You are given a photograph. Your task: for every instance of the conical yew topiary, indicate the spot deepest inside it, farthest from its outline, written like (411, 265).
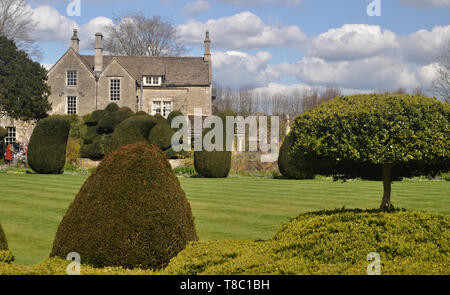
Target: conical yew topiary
(131, 212)
(5, 255)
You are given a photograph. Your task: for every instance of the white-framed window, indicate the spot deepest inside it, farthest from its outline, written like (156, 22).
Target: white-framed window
(11, 137)
(71, 105)
(156, 109)
(153, 80)
(114, 92)
(167, 108)
(163, 107)
(72, 78)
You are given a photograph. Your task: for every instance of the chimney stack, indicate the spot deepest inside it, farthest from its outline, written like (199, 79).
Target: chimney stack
(98, 52)
(75, 41)
(207, 56)
(207, 47)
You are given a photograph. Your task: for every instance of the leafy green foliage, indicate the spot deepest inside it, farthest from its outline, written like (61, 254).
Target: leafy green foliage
(23, 88)
(95, 117)
(173, 115)
(161, 135)
(111, 119)
(132, 130)
(5, 255)
(131, 212)
(214, 164)
(285, 163)
(376, 136)
(91, 135)
(47, 147)
(329, 242)
(3, 133)
(3, 241)
(112, 107)
(94, 150)
(159, 118)
(354, 136)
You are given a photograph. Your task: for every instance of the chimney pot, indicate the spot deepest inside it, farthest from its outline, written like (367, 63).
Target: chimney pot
(75, 41)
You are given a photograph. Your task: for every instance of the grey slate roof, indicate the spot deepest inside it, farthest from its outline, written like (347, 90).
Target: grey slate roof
(178, 71)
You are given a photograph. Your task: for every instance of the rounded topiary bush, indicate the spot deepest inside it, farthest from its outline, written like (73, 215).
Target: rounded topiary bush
(5, 255)
(132, 130)
(161, 136)
(214, 164)
(159, 118)
(95, 117)
(47, 147)
(140, 113)
(91, 135)
(110, 121)
(285, 163)
(94, 150)
(173, 115)
(131, 212)
(112, 107)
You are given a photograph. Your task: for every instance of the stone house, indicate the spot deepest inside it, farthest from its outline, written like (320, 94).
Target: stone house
(81, 84)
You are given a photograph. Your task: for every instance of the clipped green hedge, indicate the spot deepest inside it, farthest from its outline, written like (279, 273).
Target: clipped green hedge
(110, 121)
(319, 243)
(286, 165)
(47, 147)
(161, 135)
(330, 242)
(159, 118)
(131, 212)
(95, 117)
(132, 130)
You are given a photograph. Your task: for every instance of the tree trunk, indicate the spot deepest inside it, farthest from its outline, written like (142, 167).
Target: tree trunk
(386, 201)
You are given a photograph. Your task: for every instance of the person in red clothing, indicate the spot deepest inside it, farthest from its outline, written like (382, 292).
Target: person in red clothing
(8, 154)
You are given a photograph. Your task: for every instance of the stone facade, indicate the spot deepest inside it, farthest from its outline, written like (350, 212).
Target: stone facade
(185, 82)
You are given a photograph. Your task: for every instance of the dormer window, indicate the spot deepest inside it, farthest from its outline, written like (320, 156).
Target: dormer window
(153, 80)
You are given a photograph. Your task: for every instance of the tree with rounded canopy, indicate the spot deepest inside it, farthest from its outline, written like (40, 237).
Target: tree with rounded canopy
(375, 136)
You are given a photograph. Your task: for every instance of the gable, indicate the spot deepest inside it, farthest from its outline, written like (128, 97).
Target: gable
(70, 61)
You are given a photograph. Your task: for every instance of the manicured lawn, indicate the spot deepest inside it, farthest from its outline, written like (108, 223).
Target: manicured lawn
(31, 206)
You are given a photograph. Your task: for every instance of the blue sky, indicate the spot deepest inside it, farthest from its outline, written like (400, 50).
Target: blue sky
(278, 45)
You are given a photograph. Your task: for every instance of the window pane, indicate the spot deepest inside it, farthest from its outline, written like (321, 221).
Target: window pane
(11, 137)
(72, 78)
(115, 90)
(156, 107)
(167, 108)
(71, 105)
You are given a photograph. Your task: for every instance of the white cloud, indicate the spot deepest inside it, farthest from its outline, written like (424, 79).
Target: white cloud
(426, 3)
(262, 2)
(88, 30)
(379, 72)
(51, 25)
(352, 41)
(194, 8)
(425, 46)
(244, 30)
(240, 69)
(274, 88)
